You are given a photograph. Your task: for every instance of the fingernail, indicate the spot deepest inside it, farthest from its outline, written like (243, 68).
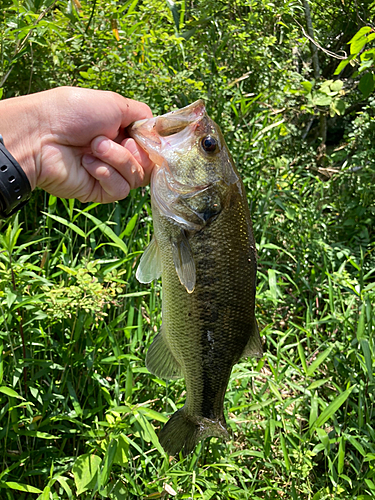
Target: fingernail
(131, 146)
(102, 146)
(88, 159)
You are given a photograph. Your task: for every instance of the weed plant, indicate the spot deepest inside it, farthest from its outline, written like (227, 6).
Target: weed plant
(79, 412)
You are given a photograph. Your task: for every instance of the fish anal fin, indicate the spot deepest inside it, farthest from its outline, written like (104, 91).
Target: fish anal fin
(184, 261)
(149, 268)
(254, 346)
(160, 360)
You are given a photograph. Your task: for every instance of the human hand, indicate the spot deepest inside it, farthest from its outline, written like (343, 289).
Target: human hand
(70, 141)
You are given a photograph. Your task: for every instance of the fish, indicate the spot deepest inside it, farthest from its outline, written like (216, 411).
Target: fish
(204, 250)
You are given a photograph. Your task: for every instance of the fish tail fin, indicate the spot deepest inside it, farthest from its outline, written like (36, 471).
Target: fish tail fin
(184, 431)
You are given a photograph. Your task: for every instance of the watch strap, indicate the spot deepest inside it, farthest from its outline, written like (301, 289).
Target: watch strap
(15, 189)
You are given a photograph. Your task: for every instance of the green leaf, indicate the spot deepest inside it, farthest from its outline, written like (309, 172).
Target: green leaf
(275, 390)
(153, 414)
(361, 323)
(285, 452)
(74, 398)
(39, 434)
(63, 481)
(22, 487)
(148, 432)
(341, 455)
(132, 7)
(122, 451)
(129, 226)
(321, 99)
(368, 358)
(358, 45)
(338, 107)
(302, 357)
(337, 85)
(366, 84)
(331, 409)
(341, 66)
(313, 410)
(272, 283)
(362, 32)
(67, 269)
(45, 494)
(272, 246)
(107, 231)
(307, 86)
(318, 361)
(10, 392)
(352, 440)
(359, 40)
(176, 16)
(324, 438)
(85, 470)
(66, 223)
(107, 463)
(317, 383)
(10, 298)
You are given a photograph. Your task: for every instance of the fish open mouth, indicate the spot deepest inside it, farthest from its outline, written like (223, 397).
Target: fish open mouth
(176, 121)
(154, 134)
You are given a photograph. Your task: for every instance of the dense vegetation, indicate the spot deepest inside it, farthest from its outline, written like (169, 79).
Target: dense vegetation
(79, 413)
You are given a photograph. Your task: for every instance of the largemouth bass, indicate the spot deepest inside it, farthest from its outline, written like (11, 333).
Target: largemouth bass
(204, 249)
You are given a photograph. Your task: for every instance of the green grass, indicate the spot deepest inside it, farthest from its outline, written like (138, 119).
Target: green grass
(80, 413)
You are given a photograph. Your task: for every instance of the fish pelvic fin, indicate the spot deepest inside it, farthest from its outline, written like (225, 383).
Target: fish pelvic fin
(160, 360)
(253, 348)
(184, 431)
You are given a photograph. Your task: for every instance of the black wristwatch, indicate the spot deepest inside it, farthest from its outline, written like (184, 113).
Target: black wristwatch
(15, 189)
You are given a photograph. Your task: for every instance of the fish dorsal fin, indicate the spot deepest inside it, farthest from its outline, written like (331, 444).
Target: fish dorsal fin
(184, 261)
(149, 268)
(254, 346)
(160, 360)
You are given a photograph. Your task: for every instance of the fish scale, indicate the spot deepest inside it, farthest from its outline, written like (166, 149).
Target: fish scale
(204, 248)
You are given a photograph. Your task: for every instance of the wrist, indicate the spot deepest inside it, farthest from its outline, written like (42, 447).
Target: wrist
(19, 127)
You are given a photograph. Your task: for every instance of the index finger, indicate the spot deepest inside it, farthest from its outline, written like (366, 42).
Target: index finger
(132, 110)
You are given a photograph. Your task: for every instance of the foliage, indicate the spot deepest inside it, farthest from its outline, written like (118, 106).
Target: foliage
(79, 413)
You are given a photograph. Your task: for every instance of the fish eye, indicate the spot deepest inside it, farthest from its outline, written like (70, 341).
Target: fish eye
(209, 144)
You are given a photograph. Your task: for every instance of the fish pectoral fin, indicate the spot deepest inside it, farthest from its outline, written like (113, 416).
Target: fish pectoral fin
(184, 262)
(149, 268)
(160, 360)
(254, 346)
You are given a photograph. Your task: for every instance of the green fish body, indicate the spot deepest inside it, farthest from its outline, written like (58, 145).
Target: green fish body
(204, 249)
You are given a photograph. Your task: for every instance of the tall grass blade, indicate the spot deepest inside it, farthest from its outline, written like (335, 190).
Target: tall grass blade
(66, 223)
(369, 360)
(318, 361)
(331, 409)
(102, 226)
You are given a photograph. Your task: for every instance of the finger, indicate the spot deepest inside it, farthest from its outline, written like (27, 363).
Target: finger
(112, 186)
(119, 158)
(132, 110)
(141, 156)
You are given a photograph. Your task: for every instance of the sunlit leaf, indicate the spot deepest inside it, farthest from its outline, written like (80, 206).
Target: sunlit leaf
(331, 409)
(85, 470)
